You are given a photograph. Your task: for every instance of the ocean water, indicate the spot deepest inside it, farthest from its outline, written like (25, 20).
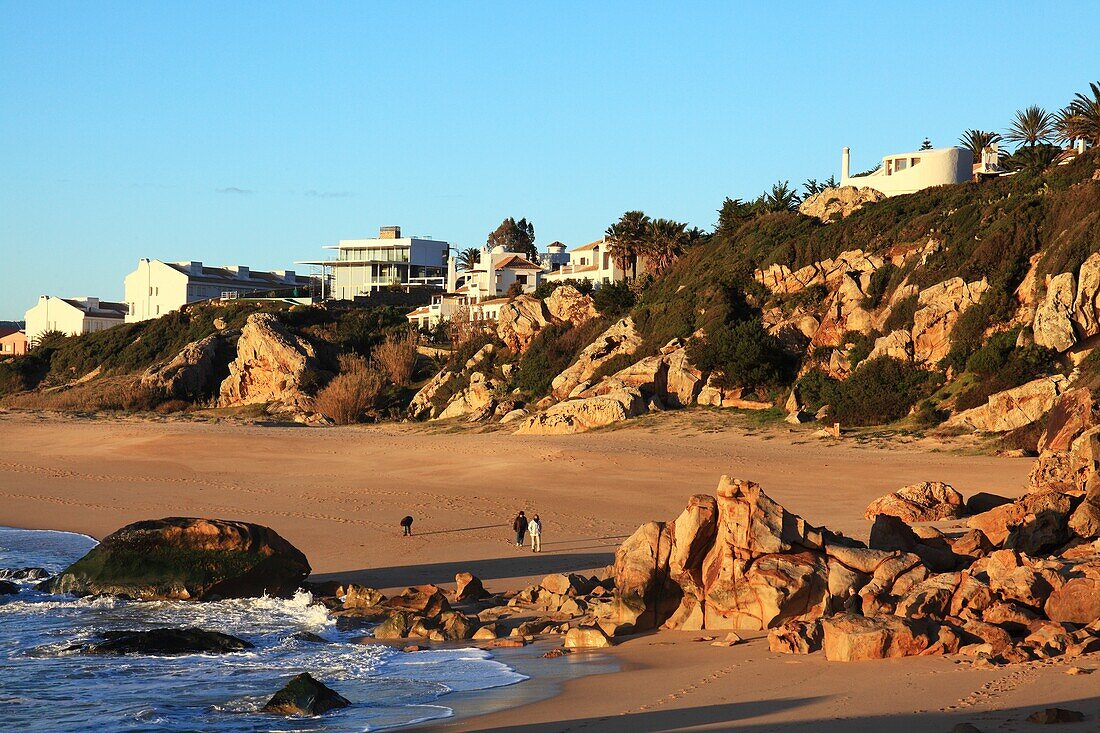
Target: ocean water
(45, 688)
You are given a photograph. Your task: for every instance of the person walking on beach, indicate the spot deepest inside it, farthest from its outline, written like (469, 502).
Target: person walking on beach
(519, 526)
(407, 527)
(534, 528)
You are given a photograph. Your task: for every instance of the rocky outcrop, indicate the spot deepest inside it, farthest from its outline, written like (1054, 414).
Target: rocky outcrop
(896, 345)
(190, 374)
(620, 339)
(586, 413)
(272, 366)
(834, 204)
(1053, 325)
(304, 695)
(164, 643)
(781, 279)
(476, 397)
(1074, 412)
(475, 402)
(742, 561)
(844, 312)
(939, 308)
(566, 304)
(712, 394)
(1012, 408)
(927, 501)
(520, 320)
(187, 559)
(1086, 306)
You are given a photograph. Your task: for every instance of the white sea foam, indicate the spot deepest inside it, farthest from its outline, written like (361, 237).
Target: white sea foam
(222, 693)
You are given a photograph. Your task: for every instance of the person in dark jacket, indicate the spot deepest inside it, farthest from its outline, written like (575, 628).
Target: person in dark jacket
(519, 526)
(407, 526)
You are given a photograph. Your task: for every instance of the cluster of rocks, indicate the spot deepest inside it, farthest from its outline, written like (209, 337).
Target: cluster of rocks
(1020, 585)
(840, 202)
(566, 604)
(1069, 313)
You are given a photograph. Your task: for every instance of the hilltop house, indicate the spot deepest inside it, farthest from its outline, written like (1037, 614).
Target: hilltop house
(13, 342)
(72, 316)
(480, 290)
(156, 287)
(592, 261)
(363, 266)
(902, 173)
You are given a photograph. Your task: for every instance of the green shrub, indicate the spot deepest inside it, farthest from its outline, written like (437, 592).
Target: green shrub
(745, 354)
(1001, 365)
(553, 349)
(22, 373)
(901, 315)
(878, 285)
(614, 300)
(880, 391)
(861, 345)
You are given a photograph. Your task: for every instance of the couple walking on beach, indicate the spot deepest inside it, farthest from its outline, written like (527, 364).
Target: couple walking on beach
(521, 525)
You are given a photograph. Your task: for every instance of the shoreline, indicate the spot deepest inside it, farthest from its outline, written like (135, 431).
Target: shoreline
(338, 494)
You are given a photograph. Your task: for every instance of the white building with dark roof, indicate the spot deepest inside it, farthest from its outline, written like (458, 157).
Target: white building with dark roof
(156, 288)
(72, 316)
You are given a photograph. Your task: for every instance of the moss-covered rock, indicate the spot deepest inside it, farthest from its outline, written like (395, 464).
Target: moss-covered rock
(189, 559)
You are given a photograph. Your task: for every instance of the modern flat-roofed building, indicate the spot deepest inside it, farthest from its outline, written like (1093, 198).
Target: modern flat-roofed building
(72, 316)
(902, 173)
(156, 288)
(363, 266)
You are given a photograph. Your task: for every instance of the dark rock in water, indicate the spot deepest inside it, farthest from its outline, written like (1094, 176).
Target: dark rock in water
(8, 588)
(24, 574)
(165, 642)
(188, 559)
(1051, 716)
(304, 695)
(310, 637)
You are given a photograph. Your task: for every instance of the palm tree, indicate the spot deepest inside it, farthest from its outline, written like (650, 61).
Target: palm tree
(978, 140)
(782, 197)
(1081, 119)
(468, 258)
(1033, 125)
(626, 238)
(665, 241)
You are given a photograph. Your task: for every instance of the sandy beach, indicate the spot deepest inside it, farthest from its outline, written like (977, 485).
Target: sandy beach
(338, 494)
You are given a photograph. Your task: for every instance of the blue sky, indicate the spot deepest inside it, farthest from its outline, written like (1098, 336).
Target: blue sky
(254, 133)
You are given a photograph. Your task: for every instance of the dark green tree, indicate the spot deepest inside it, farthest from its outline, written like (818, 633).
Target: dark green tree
(515, 236)
(1032, 125)
(468, 258)
(627, 238)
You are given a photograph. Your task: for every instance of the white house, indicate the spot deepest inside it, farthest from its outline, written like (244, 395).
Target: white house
(362, 266)
(156, 287)
(72, 316)
(592, 261)
(482, 289)
(911, 172)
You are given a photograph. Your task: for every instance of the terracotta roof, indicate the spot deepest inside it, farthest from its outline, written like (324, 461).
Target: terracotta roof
(494, 301)
(421, 311)
(584, 268)
(590, 245)
(5, 331)
(517, 262)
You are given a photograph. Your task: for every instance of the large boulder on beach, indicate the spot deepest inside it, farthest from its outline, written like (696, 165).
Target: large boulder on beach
(164, 643)
(184, 558)
(853, 638)
(927, 501)
(304, 695)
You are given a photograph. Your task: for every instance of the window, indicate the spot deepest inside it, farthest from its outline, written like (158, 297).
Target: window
(901, 164)
(521, 279)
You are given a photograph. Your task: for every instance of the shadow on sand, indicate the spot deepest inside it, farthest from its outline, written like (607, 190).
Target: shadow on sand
(523, 563)
(738, 717)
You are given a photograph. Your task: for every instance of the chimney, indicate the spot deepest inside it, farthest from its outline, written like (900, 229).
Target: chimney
(389, 233)
(1081, 146)
(452, 274)
(845, 165)
(241, 270)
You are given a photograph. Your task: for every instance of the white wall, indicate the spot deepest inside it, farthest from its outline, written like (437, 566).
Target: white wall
(54, 314)
(154, 289)
(937, 167)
